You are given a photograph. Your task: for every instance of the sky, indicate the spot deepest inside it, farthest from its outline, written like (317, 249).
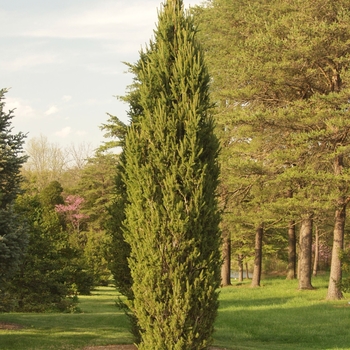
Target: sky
(63, 63)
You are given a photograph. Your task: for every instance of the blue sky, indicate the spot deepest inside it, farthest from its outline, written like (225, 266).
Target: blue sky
(63, 62)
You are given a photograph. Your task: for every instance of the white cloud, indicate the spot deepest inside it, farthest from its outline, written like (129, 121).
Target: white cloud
(102, 20)
(22, 109)
(125, 20)
(128, 24)
(81, 132)
(46, 69)
(27, 61)
(66, 98)
(51, 110)
(64, 132)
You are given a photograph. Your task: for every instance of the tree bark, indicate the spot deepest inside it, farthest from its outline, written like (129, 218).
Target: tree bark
(258, 257)
(240, 267)
(305, 253)
(316, 255)
(247, 271)
(292, 246)
(226, 255)
(292, 255)
(335, 278)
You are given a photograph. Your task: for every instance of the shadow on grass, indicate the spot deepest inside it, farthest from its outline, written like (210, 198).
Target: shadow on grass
(104, 324)
(321, 326)
(244, 303)
(42, 341)
(73, 334)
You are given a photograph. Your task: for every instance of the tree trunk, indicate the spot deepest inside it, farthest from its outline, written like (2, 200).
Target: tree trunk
(292, 255)
(258, 257)
(335, 278)
(226, 255)
(247, 270)
(240, 267)
(305, 253)
(316, 257)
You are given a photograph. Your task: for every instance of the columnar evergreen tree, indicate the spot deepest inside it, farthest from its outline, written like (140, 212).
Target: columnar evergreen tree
(119, 250)
(13, 236)
(171, 175)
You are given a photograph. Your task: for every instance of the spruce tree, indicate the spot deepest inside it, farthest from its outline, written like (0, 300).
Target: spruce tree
(13, 235)
(170, 173)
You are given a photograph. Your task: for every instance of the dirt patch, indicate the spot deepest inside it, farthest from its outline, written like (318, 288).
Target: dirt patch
(10, 326)
(123, 347)
(112, 347)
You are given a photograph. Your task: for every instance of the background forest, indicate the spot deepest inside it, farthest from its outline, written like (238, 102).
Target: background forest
(280, 92)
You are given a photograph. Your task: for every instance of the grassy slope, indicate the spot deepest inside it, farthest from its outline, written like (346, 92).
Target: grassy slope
(276, 316)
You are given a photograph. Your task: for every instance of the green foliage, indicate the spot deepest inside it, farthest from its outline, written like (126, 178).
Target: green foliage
(119, 251)
(40, 281)
(52, 269)
(13, 242)
(95, 255)
(115, 129)
(170, 174)
(51, 195)
(13, 230)
(68, 244)
(97, 184)
(280, 79)
(345, 257)
(12, 159)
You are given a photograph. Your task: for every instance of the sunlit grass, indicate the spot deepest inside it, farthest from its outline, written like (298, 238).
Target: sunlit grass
(276, 316)
(100, 323)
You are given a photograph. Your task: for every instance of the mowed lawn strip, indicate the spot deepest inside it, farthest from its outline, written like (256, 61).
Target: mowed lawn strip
(275, 316)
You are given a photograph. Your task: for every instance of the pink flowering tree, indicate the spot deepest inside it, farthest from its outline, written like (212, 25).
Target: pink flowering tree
(72, 211)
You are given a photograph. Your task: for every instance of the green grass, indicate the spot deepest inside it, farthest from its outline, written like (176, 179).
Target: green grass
(100, 323)
(276, 317)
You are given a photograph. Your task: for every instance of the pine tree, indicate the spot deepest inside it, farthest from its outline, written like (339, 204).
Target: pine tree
(170, 173)
(13, 236)
(280, 73)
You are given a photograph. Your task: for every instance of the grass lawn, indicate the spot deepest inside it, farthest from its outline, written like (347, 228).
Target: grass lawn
(100, 323)
(276, 317)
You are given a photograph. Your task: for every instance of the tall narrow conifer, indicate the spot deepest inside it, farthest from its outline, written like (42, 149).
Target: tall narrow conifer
(170, 172)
